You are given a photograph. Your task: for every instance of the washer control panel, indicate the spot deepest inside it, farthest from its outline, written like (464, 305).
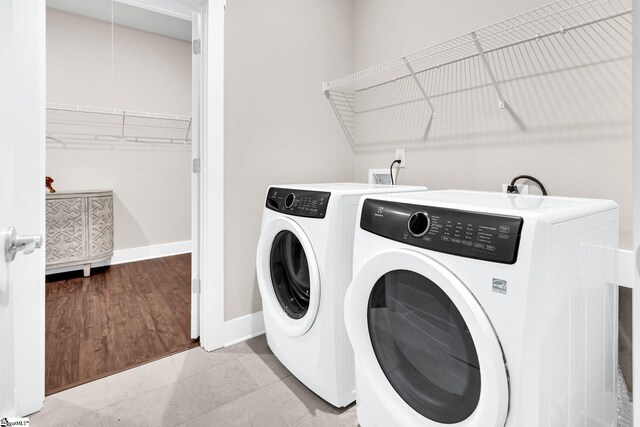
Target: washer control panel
(311, 204)
(481, 236)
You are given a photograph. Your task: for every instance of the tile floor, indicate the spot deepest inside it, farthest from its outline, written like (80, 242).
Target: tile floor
(242, 385)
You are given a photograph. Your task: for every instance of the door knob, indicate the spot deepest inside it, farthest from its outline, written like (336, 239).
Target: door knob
(14, 244)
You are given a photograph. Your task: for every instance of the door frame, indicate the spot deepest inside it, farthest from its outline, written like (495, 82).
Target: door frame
(635, 338)
(212, 324)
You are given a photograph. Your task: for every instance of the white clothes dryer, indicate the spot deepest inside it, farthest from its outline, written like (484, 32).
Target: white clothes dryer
(304, 261)
(484, 310)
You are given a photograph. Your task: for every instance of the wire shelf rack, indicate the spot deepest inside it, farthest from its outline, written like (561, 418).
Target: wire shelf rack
(565, 63)
(69, 124)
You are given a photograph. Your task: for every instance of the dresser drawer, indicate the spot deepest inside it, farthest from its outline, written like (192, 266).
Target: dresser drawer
(100, 226)
(66, 230)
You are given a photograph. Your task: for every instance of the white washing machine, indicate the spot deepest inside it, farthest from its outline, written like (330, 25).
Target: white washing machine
(304, 262)
(484, 310)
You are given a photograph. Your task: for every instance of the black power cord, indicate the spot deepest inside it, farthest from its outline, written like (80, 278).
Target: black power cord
(513, 188)
(391, 169)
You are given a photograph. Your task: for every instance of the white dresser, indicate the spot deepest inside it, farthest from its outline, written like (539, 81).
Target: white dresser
(79, 230)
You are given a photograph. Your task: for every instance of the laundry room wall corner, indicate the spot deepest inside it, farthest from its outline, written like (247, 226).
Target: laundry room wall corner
(278, 126)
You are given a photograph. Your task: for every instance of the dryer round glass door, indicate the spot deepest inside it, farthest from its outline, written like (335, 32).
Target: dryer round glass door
(426, 353)
(424, 346)
(288, 277)
(290, 274)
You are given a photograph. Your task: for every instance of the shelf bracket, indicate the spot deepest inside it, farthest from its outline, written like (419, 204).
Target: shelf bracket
(327, 93)
(124, 115)
(424, 94)
(325, 89)
(502, 103)
(186, 137)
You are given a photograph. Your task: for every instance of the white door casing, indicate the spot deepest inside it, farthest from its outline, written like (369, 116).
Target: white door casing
(635, 354)
(636, 219)
(213, 332)
(22, 136)
(196, 184)
(289, 326)
(493, 404)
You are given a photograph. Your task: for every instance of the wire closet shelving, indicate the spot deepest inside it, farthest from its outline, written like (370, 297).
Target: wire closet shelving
(70, 124)
(406, 98)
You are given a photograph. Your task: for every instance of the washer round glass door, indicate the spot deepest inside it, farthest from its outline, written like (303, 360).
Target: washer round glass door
(424, 346)
(424, 343)
(288, 276)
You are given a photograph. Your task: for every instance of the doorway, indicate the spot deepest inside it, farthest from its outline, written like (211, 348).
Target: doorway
(122, 238)
(22, 47)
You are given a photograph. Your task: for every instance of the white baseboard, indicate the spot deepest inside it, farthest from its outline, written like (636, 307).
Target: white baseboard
(243, 328)
(626, 269)
(122, 256)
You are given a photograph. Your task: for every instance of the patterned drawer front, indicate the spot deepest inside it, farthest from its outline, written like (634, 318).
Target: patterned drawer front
(100, 226)
(66, 230)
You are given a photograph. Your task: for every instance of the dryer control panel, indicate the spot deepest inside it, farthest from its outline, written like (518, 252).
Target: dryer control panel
(310, 204)
(476, 235)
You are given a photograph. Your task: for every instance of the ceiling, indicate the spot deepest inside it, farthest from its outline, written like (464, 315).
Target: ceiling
(127, 16)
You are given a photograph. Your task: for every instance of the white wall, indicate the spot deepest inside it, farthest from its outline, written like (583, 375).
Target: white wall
(279, 128)
(149, 73)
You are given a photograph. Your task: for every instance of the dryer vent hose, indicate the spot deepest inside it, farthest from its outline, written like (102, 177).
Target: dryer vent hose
(513, 188)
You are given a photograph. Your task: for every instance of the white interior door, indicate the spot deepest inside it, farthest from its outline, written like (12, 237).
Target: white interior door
(22, 136)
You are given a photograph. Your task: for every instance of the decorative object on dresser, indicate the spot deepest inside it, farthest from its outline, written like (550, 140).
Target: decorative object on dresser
(48, 182)
(79, 230)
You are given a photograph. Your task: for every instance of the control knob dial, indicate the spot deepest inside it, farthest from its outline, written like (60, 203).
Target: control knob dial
(289, 200)
(419, 223)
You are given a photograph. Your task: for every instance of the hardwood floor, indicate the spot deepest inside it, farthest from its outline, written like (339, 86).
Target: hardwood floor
(119, 317)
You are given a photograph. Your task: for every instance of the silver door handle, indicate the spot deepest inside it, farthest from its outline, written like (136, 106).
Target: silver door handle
(14, 244)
